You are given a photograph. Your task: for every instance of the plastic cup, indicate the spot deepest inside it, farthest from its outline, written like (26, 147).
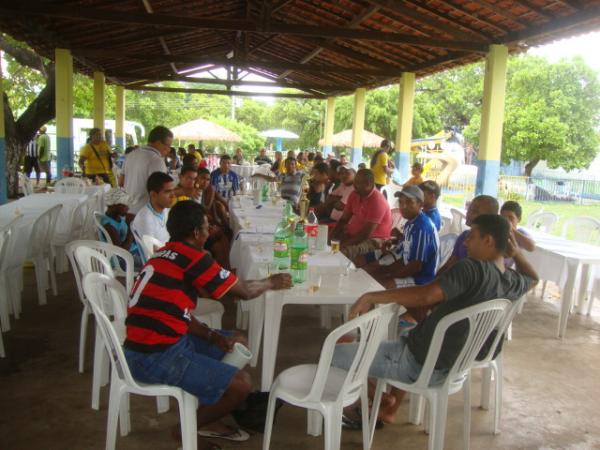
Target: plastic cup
(335, 246)
(238, 357)
(314, 281)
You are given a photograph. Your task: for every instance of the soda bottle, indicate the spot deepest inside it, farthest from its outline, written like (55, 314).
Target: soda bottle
(264, 192)
(299, 255)
(281, 248)
(312, 229)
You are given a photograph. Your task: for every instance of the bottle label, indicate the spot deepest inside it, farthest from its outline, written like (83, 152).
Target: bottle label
(299, 259)
(311, 230)
(280, 248)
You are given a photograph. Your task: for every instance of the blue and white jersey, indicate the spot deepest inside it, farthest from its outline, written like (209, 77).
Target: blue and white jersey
(435, 217)
(421, 243)
(226, 184)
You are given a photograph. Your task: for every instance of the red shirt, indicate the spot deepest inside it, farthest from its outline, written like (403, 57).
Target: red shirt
(373, 208)
(165, 293)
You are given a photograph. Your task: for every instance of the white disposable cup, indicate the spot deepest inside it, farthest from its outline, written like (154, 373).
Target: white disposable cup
(238, 357)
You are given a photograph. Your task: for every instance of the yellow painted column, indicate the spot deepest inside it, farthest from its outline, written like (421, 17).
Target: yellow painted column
(406, 100)
(492, 121)
(358, 125)
(329, 122)
(120, 117)
(3, 179)
(99, 87)
(64, 109)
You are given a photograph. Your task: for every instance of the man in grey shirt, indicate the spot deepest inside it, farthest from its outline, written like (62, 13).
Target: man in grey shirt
(143, 162)
(478, 278)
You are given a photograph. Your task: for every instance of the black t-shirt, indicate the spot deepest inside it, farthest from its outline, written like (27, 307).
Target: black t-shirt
(467, 283)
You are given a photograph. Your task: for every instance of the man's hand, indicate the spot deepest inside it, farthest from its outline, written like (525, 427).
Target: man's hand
(280, 281)
(361, 306)
(225, 343)
(512, 249)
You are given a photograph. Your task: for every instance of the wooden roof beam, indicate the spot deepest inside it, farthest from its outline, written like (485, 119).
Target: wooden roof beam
(224, 92)
(112, 16)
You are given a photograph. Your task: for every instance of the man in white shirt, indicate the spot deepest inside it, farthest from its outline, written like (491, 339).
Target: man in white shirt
(142, 162)
(152, 218)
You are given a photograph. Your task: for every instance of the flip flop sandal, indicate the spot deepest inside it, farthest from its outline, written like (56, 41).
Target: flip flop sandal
(237, 435)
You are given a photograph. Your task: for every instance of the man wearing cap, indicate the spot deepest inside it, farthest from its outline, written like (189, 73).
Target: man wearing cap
(116, 221)
(366, 221)
(415, 260)
(431, 193)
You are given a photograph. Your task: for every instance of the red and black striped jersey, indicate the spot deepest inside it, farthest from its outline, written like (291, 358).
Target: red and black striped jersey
(165, 293)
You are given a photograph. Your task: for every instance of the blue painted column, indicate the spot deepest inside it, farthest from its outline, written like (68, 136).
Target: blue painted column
(3, 178)
(278, 144)
(406, 98)
(358, 126)
(64, 110)
(492, 121)
(328, 130)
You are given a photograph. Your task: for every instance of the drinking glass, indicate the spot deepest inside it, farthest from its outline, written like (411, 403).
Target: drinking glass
(335, 246)
(314, 280)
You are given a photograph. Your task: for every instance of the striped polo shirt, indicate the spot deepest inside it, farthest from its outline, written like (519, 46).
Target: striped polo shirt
(165, 293)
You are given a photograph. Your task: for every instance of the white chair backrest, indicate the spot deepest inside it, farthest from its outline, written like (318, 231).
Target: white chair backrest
(458, 221)
(42, 231)
(583, 229)
(94, 285)
(397, 219)
(93, 256)
(70, 185)
(79, 220)
(482, 319)
(5, 233)
(103, 235)
(542, 221)
(373, 327)
(447, 242)
(446, 226)
(512, 309)
(150, 243)
(140, 245)
(25, 183)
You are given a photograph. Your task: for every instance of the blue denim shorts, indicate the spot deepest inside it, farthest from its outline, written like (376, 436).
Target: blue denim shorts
(393, 361)
(193, 364)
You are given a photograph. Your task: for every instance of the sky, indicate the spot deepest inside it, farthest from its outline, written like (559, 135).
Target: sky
(586, 45)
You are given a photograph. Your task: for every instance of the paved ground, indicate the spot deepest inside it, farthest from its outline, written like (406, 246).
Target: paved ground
(551, 388)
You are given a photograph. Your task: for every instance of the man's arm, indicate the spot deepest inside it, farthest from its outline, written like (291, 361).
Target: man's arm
(400, 270)
(264, 177)
(524, 241)
(364, 234)
(521, 264)
(411, 297)
(339, 227)
(250, 289)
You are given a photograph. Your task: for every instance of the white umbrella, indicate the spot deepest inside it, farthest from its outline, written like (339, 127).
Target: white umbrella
(282, 134)
(204, 130)
(344, 139)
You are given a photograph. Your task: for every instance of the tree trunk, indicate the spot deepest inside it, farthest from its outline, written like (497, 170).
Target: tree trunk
(530, 166)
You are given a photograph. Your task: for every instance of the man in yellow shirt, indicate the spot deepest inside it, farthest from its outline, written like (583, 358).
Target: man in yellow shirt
(380, 165)
(192, 151)
(95, 158)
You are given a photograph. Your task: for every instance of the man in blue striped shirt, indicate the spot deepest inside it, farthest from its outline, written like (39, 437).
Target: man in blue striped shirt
(224, 180)
(416, 258)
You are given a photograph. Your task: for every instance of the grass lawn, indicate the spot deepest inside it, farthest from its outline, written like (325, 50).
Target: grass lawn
(563, 210)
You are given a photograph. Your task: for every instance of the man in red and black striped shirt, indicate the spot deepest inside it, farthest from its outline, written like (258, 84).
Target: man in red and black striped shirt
(165, 344)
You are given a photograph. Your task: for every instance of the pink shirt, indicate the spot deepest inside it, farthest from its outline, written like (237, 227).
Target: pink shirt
(373, 208)
(344, 192)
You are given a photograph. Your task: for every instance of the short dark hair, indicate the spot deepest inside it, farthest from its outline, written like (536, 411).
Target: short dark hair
(492, 202)
(156, 181)
(311, 156)
(495, 226)
(432, 187)
(417, 166)
(203, 170)
(225, 157)
(129, 149)
(186, 169)
(513, 206)
(321, 167)
(367, 174)
(185, 217)
(189, 160)
(385, 144)
(159, 133)
(334, 164)
(93, 131)
(289, 159)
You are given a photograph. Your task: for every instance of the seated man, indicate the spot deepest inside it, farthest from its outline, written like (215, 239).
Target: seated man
(367, 221)
(291, 181)
(166, 345)
(317, 191)
(473, 280)
(415, 259)
(186, 189)
(152, 218)
(512, 212)
(482, 204)
(431, 193)
(336, 201)
(262, 157)
(224, 180)
(116, 221)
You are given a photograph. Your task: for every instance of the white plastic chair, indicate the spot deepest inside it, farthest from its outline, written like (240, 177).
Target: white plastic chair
(458, 221)
(10, 277)
(446, 226)
(329, 389)
(209, 312)
(586, 229)
(482, 319)
(447, 242)
(70, 185)
(89, 257)
(542, 221)
(42, 253)
(140, 245)
(25, 184)
(122, 382)
(150, 243)
(100, 230)
(79, 224)
(491, 365)
(397, 219)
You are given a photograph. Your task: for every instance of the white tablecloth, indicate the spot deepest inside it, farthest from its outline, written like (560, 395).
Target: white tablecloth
(244, 171)
(562, 261)
(245, 216)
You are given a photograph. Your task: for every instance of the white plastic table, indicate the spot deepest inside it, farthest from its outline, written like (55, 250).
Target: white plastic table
(244, 171)
(561, 260)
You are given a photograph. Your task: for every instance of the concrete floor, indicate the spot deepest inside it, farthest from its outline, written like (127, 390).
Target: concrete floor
(550, 398)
